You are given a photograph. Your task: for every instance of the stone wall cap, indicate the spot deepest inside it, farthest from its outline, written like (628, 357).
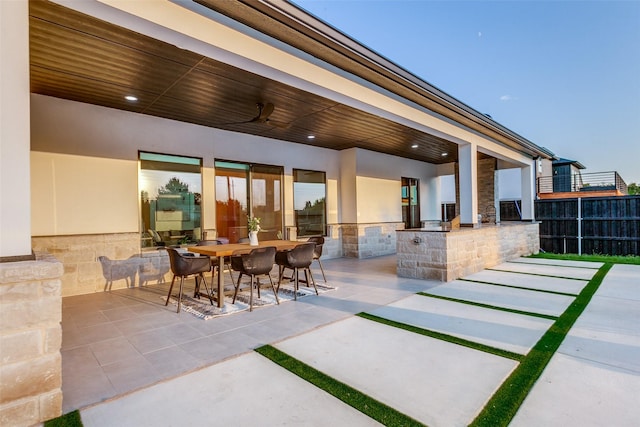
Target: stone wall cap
(45, 267)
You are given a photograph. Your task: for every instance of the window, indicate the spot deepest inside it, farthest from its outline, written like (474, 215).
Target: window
(247, 189)
(309, 196)
(170, 194)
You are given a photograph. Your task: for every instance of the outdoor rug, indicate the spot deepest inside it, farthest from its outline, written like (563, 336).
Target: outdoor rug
(203, 309)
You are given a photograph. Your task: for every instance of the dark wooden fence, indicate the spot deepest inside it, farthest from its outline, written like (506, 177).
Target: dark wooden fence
(598, 225)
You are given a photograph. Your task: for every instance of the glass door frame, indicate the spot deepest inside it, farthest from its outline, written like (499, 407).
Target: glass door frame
(271, 229)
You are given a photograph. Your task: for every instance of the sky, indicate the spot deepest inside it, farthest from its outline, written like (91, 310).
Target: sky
(563, 74)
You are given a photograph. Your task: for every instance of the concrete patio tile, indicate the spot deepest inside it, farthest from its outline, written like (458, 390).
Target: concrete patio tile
(248, 390)
(607, 331)
(500, 296)
(547, 270)
(500, 329)
(559, 262)
(554, 284)
(131, 374)
(433, 381)
(578, 392)
(622, 281)
(593, 379)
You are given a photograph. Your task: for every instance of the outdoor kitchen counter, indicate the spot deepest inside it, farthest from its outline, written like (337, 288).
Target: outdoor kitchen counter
(446, 254)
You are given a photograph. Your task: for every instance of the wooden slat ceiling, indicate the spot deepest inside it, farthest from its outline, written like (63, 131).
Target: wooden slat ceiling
(77, 57)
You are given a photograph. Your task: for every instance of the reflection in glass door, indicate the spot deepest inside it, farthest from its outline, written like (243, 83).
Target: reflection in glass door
(266, 200)
(411, 203)
(244, 189)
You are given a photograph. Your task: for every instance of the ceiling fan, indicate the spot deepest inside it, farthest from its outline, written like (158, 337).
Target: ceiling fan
(264, 111)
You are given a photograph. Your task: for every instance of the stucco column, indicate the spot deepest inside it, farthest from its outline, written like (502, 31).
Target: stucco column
(15, 191)
(528, 191)
(468, 177)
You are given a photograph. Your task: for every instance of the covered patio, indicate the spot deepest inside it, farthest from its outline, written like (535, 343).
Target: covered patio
(92, 87)
(116, 342)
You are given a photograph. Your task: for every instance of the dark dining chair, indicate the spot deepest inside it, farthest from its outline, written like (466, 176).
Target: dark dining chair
(317, 252)
(255, 263)
(296, 259)
(214, 266)
(183, 266)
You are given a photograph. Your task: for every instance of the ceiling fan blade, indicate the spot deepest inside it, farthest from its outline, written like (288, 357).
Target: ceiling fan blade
(275, 123)
(264, 111)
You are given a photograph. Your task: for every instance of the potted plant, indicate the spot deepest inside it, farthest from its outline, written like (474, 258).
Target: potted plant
(253, 224)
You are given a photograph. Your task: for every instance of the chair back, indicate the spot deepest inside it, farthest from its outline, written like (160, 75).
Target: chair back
(243, 240)
(186, 265)
(259, 260)
(301, 256)
(319, 241)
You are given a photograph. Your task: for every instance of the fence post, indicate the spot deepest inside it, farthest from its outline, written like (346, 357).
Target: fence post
(579, 226)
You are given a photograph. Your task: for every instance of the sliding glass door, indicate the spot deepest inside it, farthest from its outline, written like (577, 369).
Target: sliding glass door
(411, 203)
(243, 190)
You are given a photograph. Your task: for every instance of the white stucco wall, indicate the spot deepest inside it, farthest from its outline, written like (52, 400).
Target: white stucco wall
(85, 165)
(96, 149)
(377, 180)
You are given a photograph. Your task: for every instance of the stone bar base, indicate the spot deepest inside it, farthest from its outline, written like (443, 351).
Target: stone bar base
(369, 240)
(30, 341)
(447, 255)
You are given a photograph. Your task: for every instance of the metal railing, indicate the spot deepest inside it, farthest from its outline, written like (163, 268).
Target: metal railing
(582, 182)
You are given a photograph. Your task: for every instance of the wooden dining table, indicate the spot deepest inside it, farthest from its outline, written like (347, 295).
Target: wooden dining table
(218, 252)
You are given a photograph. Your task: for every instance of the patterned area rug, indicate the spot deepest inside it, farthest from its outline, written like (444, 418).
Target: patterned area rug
(203, 309)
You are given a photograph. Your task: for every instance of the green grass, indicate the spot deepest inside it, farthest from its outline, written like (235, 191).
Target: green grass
(613, 259)
(492, 307)
(72, 419)
(504, 404)
(367, 405)
(519, 287)
(444, 337)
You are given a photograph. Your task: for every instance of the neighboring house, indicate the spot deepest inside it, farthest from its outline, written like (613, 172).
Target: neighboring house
(566, 175)
(569, 181)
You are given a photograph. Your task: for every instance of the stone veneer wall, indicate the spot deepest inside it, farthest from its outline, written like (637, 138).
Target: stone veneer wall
(447, 256)
(83, 273)
(486, 189)
(369, 240)
(30, 341)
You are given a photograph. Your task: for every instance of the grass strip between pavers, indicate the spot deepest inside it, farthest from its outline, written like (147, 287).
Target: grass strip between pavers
(503, 405)
(566, 294)
(367, 405)
(553, 276)
(443, 337)
(72, 419)
(489, 306)
(616, 259)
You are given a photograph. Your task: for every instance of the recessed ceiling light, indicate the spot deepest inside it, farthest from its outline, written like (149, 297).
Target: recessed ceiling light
(131, 98)
(311, 137)
(414, 146)
(444, 154)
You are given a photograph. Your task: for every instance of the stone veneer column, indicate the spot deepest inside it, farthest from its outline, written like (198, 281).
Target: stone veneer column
(30, 341)
(486, 189)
